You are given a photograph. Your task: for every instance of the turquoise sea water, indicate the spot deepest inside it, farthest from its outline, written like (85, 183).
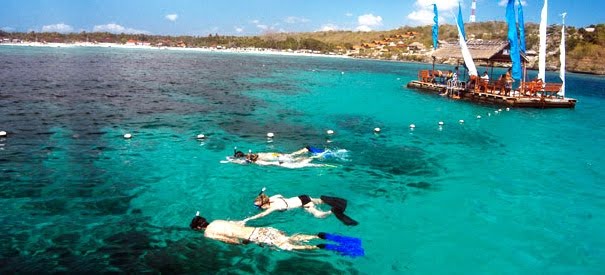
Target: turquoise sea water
(516, 192)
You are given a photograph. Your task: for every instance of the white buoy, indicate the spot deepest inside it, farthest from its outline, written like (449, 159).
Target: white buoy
(507, 109)
(270, 135)
(489, 114)
(398, 78)
(342, 72)
(412, 126)
(376, 130)
(330, 132)
(440, 123)
(2, 133)
(201, 136)
(127, 136)
(496, 112)
(478, 117)
(461, 121)
(499, 110)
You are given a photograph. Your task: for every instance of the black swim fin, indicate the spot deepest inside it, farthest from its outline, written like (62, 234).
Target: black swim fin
(344, 218)
(339, 206)
(335, 202)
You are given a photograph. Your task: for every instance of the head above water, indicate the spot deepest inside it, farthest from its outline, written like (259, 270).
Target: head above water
(238, 154)
(198, 223)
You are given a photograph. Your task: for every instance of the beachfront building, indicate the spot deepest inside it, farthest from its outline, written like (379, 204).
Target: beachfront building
(416, 47)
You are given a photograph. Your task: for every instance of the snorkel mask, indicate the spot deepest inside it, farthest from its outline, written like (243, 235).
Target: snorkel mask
(237, 154)
(259, 196)
(198, 222)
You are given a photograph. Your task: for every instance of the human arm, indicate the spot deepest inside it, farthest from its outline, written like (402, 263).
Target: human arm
(259, 215)
(225, 239)
(264, 163)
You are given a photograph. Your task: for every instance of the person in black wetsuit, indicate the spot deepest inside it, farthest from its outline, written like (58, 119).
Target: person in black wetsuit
(280, 203)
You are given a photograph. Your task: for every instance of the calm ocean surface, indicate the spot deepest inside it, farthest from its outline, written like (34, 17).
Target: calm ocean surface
(518, 192)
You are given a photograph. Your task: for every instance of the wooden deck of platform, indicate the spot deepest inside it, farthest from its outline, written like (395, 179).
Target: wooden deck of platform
(491, 97)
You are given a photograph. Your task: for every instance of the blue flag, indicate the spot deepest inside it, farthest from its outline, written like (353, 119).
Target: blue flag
(513, 40)
(521, 28)
(460, 22)
(435, 27)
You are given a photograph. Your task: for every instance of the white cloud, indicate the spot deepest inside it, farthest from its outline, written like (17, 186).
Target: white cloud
(328, 27)
(267, 28)
(295, 20)
(115, 28)
(62, 28)
(7, 29)
(369, 20)
(348, 14)
(363, 28)
(239, 29)
(423, 13)
(503, 3)
(422, 17)
(442, 5)
(171, 17)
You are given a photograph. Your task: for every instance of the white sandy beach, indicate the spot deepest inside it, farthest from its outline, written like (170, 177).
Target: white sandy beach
(205, 49)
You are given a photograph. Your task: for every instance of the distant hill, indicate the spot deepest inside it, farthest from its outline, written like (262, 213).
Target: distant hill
(585, 47)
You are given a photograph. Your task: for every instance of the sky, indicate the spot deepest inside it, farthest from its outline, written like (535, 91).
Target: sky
(255, 17)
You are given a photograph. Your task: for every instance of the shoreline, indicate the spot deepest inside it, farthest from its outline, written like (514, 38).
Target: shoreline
(260, 51)
(143, 47)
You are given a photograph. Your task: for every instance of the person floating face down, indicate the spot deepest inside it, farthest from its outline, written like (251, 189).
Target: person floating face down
(295, 159)
(236, 232)
(280, 203)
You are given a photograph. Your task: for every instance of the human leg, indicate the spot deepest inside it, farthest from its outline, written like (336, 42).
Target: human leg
(316, 212)
(302, 237)
(296, 242)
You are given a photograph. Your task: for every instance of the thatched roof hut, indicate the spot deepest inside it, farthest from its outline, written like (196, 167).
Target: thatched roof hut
(489, 51)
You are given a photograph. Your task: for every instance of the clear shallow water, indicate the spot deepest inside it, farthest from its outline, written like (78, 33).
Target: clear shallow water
(516, 192)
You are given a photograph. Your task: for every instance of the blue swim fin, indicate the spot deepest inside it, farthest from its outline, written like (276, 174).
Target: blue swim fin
(343, 240)
(315, 150)
(351, 251)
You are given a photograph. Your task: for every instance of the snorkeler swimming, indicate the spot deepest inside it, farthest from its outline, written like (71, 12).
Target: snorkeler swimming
(279, 203)
(297, 159)
(236, 232)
